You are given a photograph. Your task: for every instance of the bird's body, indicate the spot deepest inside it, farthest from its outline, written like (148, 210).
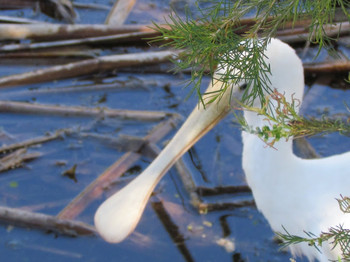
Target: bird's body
(294, 193)
(298, 194)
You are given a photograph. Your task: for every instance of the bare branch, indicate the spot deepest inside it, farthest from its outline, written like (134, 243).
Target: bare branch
(85, 67)
(46, 222)
(27, 108)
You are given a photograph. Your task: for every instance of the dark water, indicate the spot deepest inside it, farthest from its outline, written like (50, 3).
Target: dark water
(214, 161)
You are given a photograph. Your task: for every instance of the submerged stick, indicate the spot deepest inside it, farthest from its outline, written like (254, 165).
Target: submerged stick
(118, 216)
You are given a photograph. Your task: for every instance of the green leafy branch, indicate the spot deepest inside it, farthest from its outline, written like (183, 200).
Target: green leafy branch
(287, 123)
(338, 236)
(219, 37)
(208, 43)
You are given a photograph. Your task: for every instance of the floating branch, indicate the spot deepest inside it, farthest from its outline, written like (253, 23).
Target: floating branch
(28, 108)
(46, 222)
(16, 159)
(115, 39)
(86, 67)
(48, 32)
(338, 66)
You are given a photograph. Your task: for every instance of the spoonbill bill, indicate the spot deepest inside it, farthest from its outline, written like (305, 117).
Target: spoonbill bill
(295, 194)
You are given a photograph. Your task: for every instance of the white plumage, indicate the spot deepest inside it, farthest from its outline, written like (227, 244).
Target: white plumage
(298, 194)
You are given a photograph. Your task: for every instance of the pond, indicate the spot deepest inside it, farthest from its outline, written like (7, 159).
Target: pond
(171, 229)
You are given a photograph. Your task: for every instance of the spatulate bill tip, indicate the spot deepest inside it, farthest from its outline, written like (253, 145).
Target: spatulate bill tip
(117, 217)
(109, 229)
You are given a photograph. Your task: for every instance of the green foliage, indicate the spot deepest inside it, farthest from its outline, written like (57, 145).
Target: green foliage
(207, 42)
(287, 123)
(219, 37)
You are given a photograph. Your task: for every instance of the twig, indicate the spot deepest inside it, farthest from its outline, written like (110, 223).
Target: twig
(46, 222)
(16, 159)
(28, 108)
(29, 142)
(119, 12)
(96, 188)
(85, 67)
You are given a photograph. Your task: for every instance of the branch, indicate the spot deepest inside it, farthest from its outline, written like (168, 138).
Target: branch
(86, 67)
(46, 222)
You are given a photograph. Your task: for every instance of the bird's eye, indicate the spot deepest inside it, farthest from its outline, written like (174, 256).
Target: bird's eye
(243, 86)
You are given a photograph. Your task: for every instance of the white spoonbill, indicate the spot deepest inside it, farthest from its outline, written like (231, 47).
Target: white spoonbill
(291, 192)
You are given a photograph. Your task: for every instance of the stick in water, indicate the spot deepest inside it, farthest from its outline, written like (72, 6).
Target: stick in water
(118, 216)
